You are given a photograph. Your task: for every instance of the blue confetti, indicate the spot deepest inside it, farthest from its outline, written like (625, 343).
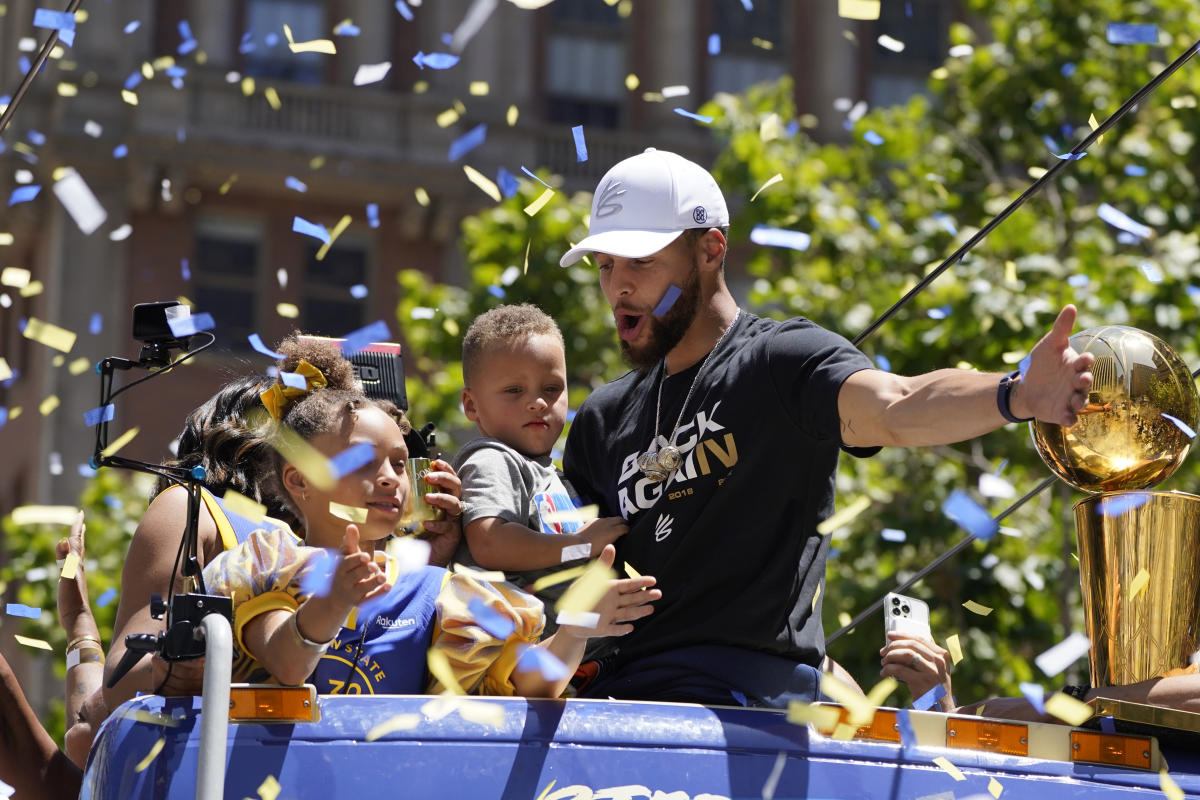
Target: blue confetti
(1078, 281)
(1003, 466)
(120, 151)
(86, 471)
(358, 291)
(714, 44)
(294, 379)
(295, 184)
(1135, 170)
(363, 337)
(98, 415)
(946, 223)
(792, 128)
(186, 326)
(21, 610)
(257, 343)
(535, 177)
(1183, 426)
(96, 323)
(447, 38)
(672, 294)
(271, 39)
(1040, 103)
(467, 142)
(301, 225)
(926, 701)
(690, 115)
(496, 624)
(1121, 221)
(185, 30)
(1108, 725)
(133, 80)
(893, 535)
(316, 576)
(580, 144)
(570, 414)
(508, 183)
(3, 416)
(434, 60)
(1194, 293)
(941, 312)
(184, 269)
(908, 735)
(350, 459)
(1151, 271)
(882, 362)
(1116, 505)
(748, 5)
(347, 29)
(873, 138)
(130, 27)
(874, 223)
(105, 599)
(187, 47)
(969, 515)
(404, 10)
(1067, 69)
(779, 237)
(1036, 696)
(1132, 33)
(36, 137)
(1051, 145)
(246, 45)
(535, 659)
(23, 194)
(1023, 366)
(373, 214)
(175, 71)
(1068, 156)
(54, 20)
(496, 291)
(23, 64)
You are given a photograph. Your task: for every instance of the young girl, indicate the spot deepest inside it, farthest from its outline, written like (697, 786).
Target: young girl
(359, 630)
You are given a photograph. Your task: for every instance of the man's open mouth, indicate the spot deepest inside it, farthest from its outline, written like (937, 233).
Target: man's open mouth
(630, 325)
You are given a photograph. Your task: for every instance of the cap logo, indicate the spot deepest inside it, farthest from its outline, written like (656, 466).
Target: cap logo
(606, 203)
(699, 214)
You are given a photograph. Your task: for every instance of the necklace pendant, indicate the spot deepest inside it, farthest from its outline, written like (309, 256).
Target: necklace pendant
(648, 461)
(669, 458)
(655, 475)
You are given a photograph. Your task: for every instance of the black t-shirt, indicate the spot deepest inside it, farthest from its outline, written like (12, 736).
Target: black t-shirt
(732, 536)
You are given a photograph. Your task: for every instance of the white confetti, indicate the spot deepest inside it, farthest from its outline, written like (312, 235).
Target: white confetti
(75, 195)
(371, 73)
(1063, 654)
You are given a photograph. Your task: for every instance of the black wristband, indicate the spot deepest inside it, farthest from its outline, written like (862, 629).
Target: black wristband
(1078, 692)
(1004, 396)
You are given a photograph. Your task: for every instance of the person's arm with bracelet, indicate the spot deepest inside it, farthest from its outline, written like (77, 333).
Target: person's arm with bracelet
(85, 652)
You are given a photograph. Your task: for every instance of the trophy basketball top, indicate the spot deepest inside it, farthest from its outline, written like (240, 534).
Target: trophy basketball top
(1139, 420)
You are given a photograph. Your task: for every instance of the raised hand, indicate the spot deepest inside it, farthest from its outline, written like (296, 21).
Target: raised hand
(1055, 386)
(358, 577)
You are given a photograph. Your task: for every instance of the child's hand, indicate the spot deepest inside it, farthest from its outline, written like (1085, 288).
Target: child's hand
(444, 534)
(626, 600)
(357, 577)
(601, 532)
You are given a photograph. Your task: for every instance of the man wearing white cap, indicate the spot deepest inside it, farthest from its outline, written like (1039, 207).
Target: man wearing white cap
(721, 446)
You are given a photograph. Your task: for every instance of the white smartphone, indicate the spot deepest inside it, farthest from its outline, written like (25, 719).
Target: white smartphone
(906, 615)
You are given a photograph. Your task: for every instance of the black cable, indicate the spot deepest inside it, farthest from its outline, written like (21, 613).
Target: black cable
(185, 357)
(1033, 189)
(38, 61)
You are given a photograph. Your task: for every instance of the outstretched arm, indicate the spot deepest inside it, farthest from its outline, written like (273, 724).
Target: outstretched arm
(29, 760)
(950, 405)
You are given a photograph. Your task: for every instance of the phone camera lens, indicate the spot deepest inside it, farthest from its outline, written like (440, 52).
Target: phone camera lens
(895, 612)
(905, 609)
(895, 601)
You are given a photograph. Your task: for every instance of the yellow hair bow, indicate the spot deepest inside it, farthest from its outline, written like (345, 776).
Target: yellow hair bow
(279, 397)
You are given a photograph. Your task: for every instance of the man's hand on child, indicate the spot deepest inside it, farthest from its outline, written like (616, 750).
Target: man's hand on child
(602, 531)
(626, 600)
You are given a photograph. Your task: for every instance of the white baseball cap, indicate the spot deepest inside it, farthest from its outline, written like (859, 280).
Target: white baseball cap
(645, 202)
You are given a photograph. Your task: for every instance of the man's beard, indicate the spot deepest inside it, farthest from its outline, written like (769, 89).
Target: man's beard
(668, 331)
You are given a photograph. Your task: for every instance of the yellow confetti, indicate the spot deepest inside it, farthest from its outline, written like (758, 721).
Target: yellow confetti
(315, 46)
(824, 717)
(525, 269)
(762, 44)
(816, 596)
(881, 691)
(129, 97)
(316, 162)
(122, 440)
(155, 749)
(5, 370)
(228, 184)
(776, 178)
(349, 513)
(1093, 124)
(546, 791)
(58, 360)
(632, 82)
(845, 516)
(49, 334)
(1168, 785)
(287, 310)
(1010, 276)
(940, 74)
(67, 89)
(48, 405)
(272, 98)
(1138, 584)
(14, 412)
(422, 196)
(446, 118)
(440, 669)
(555, 578)
(631, 572)
(482, 713)
(861, 710)
(977, 608)
(6, 239)
(955, 648)
(247, 86)
(149, 717)
(483, 182)
(1036, 172)
(587, 590)
(45, 515)
(478, 88)
(400, 722)
(450, 326)
(420, 87)
(995, 787)
(341, 226)
(511, 115)
(580, 515)
(32, 289)
(269, 789)
(303, 456)
(950, 769)
(31, 642)
(858, 9)
(70, 567)
(844, 618)
(244, 506)
(540, 203)
(77, 367)
(15, 277)
(1068, 709)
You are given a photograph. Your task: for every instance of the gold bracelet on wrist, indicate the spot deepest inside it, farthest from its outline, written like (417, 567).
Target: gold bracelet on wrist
(86, 638)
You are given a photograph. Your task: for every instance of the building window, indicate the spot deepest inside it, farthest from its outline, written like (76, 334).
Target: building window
(742, 62)
(225, 275)
(329, 309)
(585, 65)
(923, 27)
(266, 49)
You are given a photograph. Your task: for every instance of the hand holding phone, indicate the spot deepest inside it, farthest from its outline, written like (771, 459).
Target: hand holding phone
(906, 615)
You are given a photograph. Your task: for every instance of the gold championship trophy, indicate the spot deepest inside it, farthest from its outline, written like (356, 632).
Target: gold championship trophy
(1139, 550)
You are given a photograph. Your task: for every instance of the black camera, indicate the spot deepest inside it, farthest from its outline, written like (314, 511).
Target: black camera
(152, 329)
